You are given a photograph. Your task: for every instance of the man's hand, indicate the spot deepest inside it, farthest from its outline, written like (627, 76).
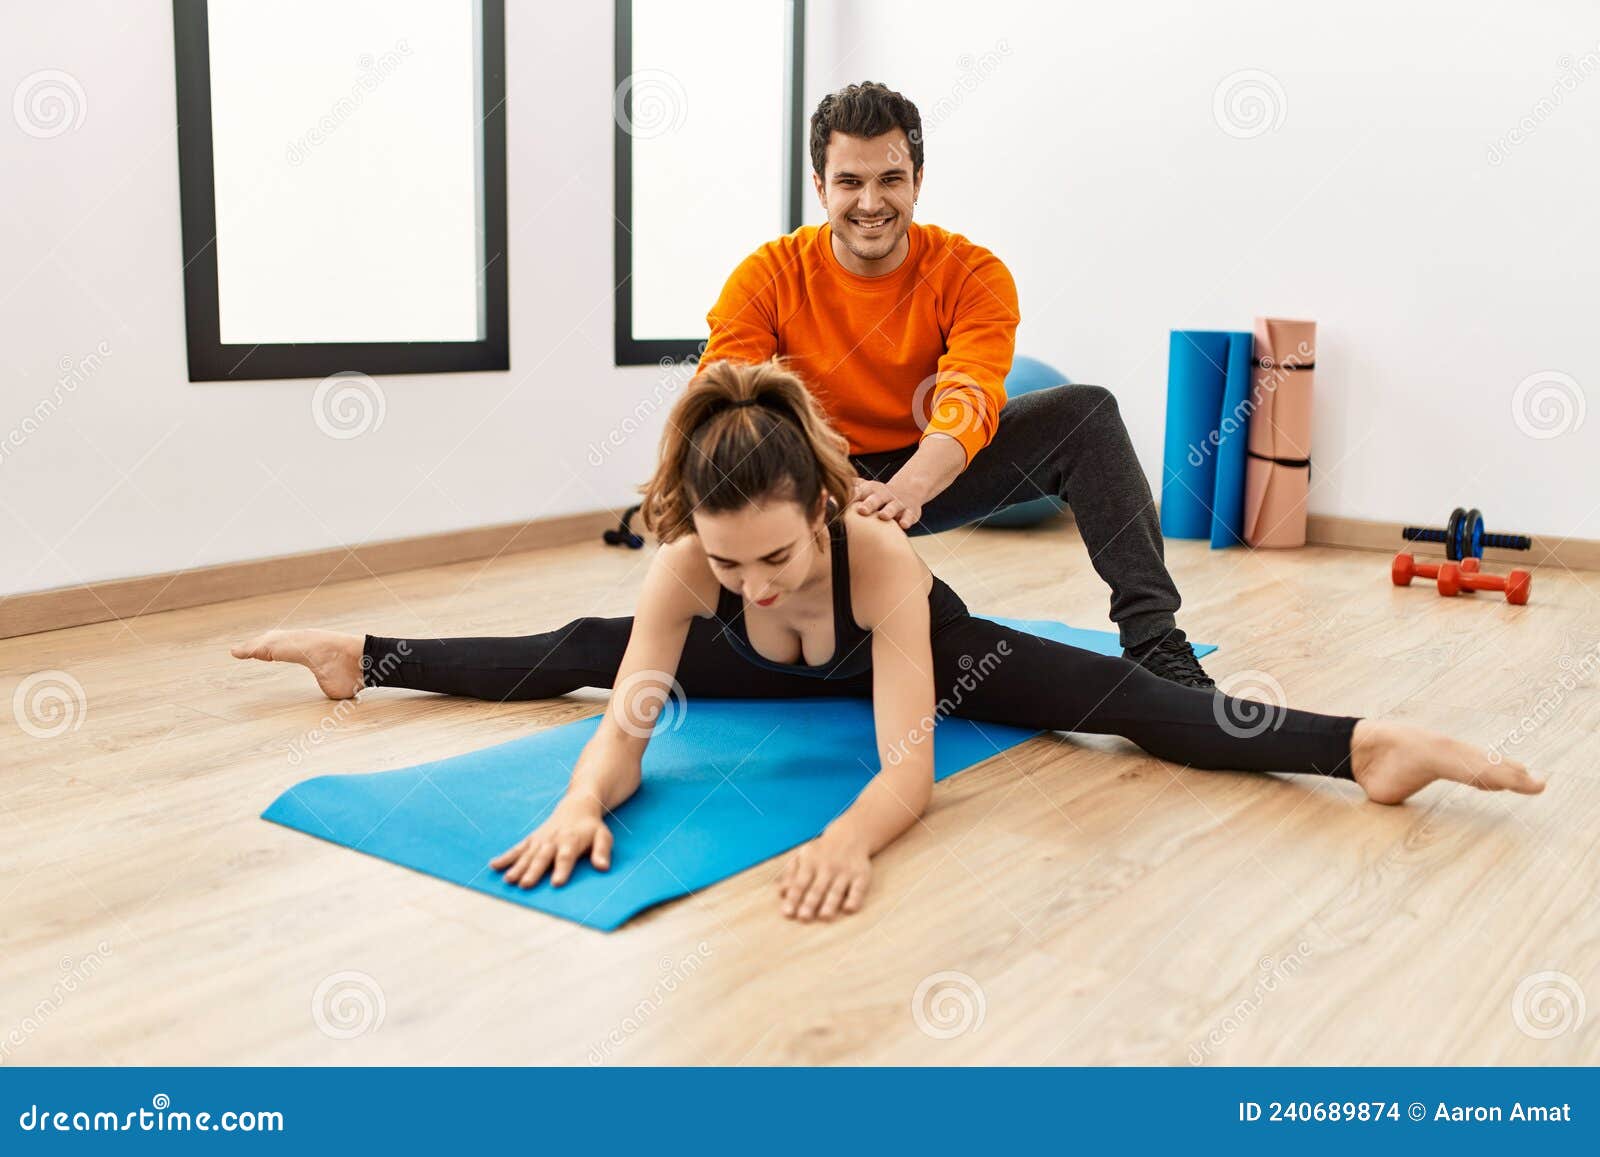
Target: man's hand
(575, 827)
(889, 501)
(825, 877)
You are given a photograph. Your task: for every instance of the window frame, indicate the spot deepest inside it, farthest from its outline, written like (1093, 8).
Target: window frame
(212, 360)
(632, 351)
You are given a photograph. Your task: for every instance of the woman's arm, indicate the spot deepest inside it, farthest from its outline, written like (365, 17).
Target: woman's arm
(609, 768)
(902, 712)
(889, 596)
(674, 592)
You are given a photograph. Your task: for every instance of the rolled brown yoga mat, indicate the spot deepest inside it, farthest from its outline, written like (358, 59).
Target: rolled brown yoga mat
(1278, 471)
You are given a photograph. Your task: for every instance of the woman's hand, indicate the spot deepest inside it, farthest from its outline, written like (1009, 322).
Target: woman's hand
(825, 877)
(575, 827)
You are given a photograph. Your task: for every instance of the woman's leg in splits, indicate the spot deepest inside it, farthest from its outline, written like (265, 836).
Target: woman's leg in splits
(585, 652)
(990, 672)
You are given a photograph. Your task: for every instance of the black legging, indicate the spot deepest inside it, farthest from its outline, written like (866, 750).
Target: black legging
(1030, 682)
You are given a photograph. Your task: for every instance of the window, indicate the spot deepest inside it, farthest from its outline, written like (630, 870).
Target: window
(710, 143)
(342, 169)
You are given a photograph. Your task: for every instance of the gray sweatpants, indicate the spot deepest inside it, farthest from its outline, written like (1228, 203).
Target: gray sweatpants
(1066, 441)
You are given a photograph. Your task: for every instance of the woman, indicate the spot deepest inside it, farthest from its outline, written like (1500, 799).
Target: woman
(770, 584)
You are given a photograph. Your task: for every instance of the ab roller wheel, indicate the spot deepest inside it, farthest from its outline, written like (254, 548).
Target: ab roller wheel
(1463, 536)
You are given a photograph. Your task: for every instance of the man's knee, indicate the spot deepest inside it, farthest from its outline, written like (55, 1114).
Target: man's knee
(1090, 403)
(1098, 395)
(1066, 407)
(1075, 413)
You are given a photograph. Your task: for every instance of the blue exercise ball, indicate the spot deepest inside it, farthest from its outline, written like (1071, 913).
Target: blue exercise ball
(1026, 376)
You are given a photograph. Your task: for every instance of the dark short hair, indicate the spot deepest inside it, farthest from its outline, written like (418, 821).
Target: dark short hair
(868, 109)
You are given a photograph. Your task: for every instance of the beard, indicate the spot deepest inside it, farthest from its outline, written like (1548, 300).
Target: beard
(874, 248)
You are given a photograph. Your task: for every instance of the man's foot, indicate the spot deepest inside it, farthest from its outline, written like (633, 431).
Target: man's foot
(334, 659)
(1393, 761)
(1171, 657)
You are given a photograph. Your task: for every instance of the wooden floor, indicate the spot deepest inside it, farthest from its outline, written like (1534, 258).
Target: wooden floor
(1069, 902)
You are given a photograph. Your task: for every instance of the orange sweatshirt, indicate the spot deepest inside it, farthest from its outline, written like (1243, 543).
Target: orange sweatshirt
(891, 359)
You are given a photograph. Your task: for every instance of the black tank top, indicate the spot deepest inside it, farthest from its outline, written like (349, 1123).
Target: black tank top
(852, 645)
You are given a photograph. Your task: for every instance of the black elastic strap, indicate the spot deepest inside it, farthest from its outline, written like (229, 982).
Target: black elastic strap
(1296, 462)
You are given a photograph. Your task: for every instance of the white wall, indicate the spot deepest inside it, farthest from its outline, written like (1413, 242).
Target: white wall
(139, 471)
(1079, 143)
(1088, 159)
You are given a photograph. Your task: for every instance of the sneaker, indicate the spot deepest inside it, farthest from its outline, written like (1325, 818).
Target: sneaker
(1171, 657)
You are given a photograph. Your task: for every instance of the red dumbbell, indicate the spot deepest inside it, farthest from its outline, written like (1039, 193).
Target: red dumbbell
(1406, 568)
(1453, 579)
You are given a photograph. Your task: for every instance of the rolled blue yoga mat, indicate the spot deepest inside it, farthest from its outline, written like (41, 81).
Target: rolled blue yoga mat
(1203, 462)
(727, 784)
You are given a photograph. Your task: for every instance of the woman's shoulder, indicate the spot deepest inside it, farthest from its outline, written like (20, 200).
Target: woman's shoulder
(871, 532)
(883, 565)
(686, 579)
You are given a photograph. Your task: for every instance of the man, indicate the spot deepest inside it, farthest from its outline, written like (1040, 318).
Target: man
(905, 332)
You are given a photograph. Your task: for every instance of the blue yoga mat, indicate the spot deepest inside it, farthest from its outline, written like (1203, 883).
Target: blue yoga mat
(730, 783)
(1203, 464)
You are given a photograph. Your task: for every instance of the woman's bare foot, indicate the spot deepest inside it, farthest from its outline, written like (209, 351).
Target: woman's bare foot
(1393, 761)
(334, 659)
